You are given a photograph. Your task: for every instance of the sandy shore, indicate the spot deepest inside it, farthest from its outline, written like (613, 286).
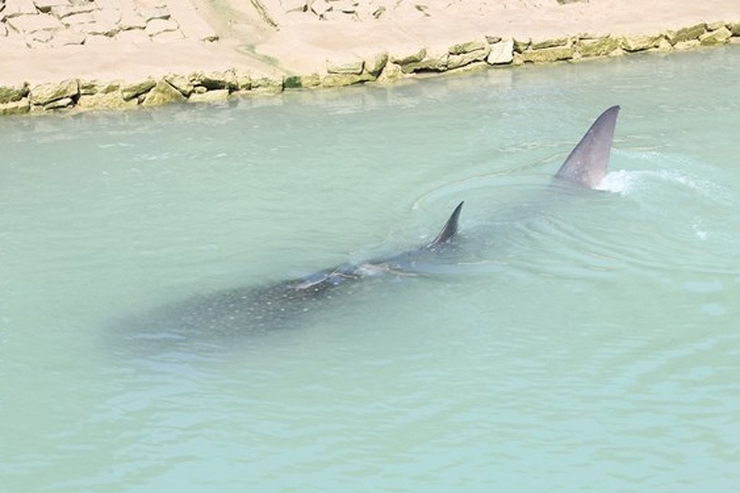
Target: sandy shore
(109, 46)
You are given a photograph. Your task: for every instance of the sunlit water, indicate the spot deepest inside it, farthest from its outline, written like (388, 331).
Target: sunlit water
(583, 344)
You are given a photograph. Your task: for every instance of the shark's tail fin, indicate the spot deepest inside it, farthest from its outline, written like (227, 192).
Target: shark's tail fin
(586, 165)
(449, 229)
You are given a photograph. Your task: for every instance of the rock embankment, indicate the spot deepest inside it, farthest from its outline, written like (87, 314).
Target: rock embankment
(45, 22)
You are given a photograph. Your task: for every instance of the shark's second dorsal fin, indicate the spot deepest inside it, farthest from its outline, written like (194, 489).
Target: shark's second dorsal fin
(449, 229)
(586, 165)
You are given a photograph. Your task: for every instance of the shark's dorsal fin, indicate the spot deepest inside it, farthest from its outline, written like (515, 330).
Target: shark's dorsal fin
(449, 229)
(586, 165)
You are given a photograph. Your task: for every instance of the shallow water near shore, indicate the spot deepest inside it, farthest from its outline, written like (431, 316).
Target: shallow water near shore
(589, 343)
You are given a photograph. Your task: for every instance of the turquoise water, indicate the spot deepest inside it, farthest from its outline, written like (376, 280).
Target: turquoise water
(588, 344)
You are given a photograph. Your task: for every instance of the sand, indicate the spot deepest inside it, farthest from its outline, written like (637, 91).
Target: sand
(290, 37)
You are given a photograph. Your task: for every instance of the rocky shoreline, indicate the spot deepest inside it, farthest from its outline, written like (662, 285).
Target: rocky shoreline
(54, 22)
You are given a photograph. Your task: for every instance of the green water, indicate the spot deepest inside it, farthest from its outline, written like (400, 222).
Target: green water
(589, 346)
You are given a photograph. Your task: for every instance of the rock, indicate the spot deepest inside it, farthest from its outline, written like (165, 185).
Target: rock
(243, 80)
(464, 59)
(219, 95)
(294, 5)
(640, 42)
(43, 94)
(158, 26)
(216, 80)
(718, 37)
(547, 55)
(735, 29)
(46, 5)
(549, 43)
(62, 11)
(502, 53)
(341, 80)
(181, 83)
(468, 47)
(77, 21)
(319, 7)
(521, 45)
(109, 100)
(33, 23)
(66, 38)
(156, 12)
(14, 8)
(267, 84)
(348, 64)
(713, 26)
(374, 62)
(163, 93)
(15, 107)
(597, 47)
(11, 94)
(686, 45)
(292, 82)
(131, 20)
(406, 55)
(131, 91)
(59, 104)
(134, 37)
(434, 61)
(686, 33)
(391, 72)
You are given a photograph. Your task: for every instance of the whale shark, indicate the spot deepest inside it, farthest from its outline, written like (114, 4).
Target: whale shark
(284, 304)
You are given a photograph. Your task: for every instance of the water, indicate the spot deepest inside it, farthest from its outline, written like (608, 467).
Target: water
(590, 345)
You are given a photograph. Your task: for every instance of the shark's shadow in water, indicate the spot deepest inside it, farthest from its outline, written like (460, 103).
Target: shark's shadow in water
(285, 304)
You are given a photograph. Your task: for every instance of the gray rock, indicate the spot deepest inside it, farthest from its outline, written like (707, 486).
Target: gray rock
(640, 42)
(131, 91)
(374, 62)
(464, 59)
(434, 61)
(163, 93)
(502, 53)
(43, 94)
(468, 47)
(597, 47)
(59, 104)
(109, 100)
(11, 94)
(717, 37)
(548, 55)
(406, 55)
(15, 107)
(347, 64)
(686, 33)
(181, 83)
(213, 81)
(216, 96)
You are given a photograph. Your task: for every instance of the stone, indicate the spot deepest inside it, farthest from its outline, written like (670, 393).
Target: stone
(156, 12)
(62, 11)
(294, 5)
(597, 47)
(15, 107)
(243, 80)
(687, 45)
(46, 5)
(158, 26)
(391, 72)
(59, 104)
(34, 23)
(11, 94)
(109, 100)
(348, 64)
(267, 84)
(341, 80)
(713, 26)
(464, 59)
(374, 62)
(434, 61)
(75, 21)
(406, 55)
(163, 93)
(43, 94)
(640, 42)
(181, 83)
(549, 43)
(14, 8)
(319, 7)
(66, 38)
(468, 47)
(131, 91)
(292, 82)
(735, 29)
(548, 55)
(717, 37)
(686, 33)
(520, 45)
(219, 95)
(131, 20)
(88, 87)
(216, 80)
(502, 53)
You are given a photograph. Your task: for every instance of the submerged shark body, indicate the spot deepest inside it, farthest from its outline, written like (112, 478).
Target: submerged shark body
(281, 304)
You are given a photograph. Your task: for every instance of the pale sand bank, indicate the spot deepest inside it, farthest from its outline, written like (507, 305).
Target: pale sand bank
(121, 53)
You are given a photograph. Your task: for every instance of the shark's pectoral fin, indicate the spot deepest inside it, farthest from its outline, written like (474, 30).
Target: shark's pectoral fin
(449, 229)
(587, 163)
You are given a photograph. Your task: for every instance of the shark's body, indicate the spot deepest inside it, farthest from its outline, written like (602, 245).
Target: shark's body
(282, 304)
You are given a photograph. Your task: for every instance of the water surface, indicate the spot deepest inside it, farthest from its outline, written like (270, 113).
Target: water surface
(578, 345)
